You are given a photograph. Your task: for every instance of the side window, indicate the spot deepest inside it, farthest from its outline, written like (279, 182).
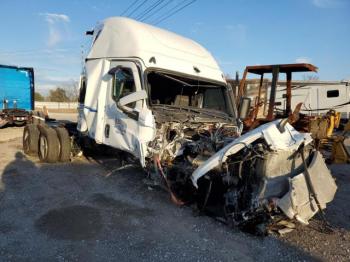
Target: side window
(123, 84)
(333, 93)
(82, 90)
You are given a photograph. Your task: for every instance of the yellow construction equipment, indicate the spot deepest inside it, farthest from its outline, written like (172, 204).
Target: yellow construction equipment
(322, 127)
(341, 146)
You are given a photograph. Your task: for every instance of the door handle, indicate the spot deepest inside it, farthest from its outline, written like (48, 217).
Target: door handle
(107, 128)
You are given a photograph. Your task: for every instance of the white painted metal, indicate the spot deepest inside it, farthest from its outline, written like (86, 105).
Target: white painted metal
(126, 42)
(120, 37)
(126, 133)
(290, 139)
(314, 97)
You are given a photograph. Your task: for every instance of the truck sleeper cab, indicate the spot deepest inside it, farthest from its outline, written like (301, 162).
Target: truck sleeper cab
(156, 69)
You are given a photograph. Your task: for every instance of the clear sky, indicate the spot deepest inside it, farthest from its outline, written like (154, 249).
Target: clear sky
(48, 35)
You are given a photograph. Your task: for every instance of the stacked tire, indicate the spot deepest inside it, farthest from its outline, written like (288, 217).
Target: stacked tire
(50, 144)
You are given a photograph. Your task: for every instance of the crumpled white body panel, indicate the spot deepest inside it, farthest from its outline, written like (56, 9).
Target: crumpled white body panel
(299, 202)
(290, 139)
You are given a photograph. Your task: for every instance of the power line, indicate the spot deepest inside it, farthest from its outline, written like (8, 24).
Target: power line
(174, 12)
(138, 7)
(128, 8)
(169, 11)
(156, 10)
(149, 9)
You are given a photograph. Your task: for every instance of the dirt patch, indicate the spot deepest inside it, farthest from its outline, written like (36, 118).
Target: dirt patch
(8, 134)
(72, 223)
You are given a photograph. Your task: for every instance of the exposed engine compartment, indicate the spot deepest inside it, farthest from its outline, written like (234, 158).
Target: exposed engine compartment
(179, 148)
(248, 188)
(251, 181)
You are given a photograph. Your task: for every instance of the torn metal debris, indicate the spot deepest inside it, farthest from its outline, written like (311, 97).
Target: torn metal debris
(252, 180)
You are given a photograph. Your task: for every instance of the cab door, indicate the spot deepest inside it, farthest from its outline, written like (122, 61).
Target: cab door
(128, 124)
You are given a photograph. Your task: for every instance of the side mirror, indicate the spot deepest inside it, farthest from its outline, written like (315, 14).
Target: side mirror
(244, 107)
(131, 98)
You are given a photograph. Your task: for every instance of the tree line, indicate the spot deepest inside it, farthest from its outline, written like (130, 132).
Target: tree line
(60, 94)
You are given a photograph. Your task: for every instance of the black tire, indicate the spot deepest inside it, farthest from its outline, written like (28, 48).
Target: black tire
(49, 145)
(31, 139)
(19, 123)
(38, 117)
(65, 144)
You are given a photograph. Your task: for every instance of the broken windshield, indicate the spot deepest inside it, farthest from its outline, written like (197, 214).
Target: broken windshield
(167, 89)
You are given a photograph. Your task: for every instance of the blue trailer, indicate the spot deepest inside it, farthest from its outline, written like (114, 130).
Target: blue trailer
(16, 94)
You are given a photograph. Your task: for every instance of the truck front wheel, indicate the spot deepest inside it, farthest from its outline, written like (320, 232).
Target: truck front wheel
(49, 145)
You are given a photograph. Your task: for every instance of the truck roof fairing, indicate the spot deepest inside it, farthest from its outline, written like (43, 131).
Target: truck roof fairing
(120, 37)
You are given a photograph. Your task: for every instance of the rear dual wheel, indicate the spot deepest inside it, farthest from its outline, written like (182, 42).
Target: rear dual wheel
(31, 139)
(65, 144)
(54, 144)
(49, 145)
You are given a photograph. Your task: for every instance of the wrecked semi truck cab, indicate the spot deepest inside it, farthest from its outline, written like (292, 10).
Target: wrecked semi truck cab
(164, 99)
(148, 91)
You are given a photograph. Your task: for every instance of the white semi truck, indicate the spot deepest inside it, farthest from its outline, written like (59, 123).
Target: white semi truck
(163, 99)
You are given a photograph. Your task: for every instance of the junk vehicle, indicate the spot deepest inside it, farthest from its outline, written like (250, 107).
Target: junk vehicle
(318, 97)
(265, 101)
(163, 99)
(261, 100)
(16, 94)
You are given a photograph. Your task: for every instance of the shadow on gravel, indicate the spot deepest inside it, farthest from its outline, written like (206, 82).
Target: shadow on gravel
(116, 216)
(71, 223)
(13, 175)
(338, 211)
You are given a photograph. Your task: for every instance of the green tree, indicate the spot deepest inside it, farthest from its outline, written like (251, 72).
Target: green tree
(58, 95)
(38, 97)
(72, 91)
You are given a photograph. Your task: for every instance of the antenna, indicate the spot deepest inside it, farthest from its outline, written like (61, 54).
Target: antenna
(82, 58)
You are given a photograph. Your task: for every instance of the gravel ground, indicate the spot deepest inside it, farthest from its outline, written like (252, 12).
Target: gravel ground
(10, 133)
(83, 212)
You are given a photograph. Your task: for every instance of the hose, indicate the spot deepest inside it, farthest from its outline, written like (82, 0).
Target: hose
(159, 169)
(327, 227)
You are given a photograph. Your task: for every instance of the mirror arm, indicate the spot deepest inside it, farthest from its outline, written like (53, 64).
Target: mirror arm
(129, 112)
(125, 109)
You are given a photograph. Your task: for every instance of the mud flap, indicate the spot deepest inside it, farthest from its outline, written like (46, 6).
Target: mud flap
(299, 203)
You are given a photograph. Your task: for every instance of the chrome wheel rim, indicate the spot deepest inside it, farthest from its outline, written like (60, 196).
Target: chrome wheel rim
(43, 147)
(26, 141)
